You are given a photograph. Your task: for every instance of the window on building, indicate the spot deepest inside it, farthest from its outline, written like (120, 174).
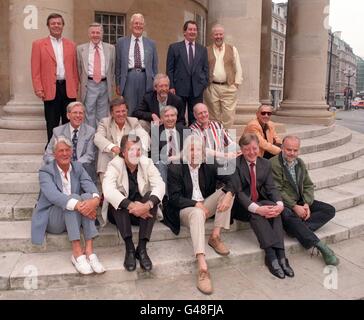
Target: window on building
(275, 44)
(276, 25)
(114, 25)
(201, 26)
(274, 78)
(282, 28)
(280, 77)
(281, 46)
(281, 62)
(275, 61)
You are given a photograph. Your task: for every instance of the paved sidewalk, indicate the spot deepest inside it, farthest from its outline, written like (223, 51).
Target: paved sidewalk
(252, 281)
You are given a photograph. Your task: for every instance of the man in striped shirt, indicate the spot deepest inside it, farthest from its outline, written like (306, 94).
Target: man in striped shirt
(218, 142)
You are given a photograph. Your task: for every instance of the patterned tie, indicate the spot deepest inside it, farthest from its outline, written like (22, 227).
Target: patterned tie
(253, 183)
(190, 54)
(74, 144)
(171, 144)
(137, 57)
(97, 65)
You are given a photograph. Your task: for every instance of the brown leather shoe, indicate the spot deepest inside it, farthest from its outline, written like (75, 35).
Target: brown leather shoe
(204, 283)
(218, 246)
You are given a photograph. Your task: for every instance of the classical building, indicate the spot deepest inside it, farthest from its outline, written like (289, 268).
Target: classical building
(332, 61)
(247, 26)
(360, 76)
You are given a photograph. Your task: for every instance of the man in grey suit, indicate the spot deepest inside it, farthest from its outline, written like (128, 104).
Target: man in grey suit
(188, 69)
(68, 200)
(80, 134)
(136, 64)
(96, 71)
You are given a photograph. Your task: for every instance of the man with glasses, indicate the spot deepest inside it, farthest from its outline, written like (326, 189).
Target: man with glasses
(269, 142)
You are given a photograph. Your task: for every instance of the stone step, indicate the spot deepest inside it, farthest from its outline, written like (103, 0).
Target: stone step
(173, 257)
(19, 183)
(350, 150)
(22, 141)
(24, 163)
(15, 236)
(307, 131)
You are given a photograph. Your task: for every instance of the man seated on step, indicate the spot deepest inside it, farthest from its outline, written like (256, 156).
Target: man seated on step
(193, 198)
(218, 142)
(258, 201)
(80, 134)
(306, 214)
(269, 141)
(134, 187)
(68, 199)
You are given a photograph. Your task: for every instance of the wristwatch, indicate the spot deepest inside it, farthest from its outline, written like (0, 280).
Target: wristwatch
(151, 204)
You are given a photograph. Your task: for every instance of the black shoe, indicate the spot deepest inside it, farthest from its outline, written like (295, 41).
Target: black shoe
(274, 268)
(144, 260)
(288, 271)
(130, 262)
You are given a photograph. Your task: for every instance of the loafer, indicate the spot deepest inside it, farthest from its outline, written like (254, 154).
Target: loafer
(274, 268)
(288, 271)
(81, 264)
(129, 261)
(218, 246)
(95, 264)
(144, 260)
(204, 283)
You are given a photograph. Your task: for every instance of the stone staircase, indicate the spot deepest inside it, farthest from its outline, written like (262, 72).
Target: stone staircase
(335, 158)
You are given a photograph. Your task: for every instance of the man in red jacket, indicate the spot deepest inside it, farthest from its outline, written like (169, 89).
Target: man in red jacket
(54, 72)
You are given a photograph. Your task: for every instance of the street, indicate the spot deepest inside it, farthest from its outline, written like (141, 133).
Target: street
(353, 119)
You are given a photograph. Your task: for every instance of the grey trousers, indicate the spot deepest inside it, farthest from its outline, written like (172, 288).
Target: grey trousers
(96, 102)
(71, 221)
(134, 90)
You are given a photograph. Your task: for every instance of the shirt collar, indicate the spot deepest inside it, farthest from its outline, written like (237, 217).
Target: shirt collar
(187, 43)
(62, 172)
(194, 169)
(55, 39)
(92, 45)
(218, 49)
(134, 37)
(287, 164)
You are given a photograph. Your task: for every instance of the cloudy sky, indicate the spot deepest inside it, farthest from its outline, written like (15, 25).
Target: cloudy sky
(347, 16)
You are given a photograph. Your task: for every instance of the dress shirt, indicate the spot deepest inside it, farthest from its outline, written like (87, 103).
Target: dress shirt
(91, 58)
(253, 206)
(67, 189)
(119, 135)
(57, 45)
(173, 133)
(187, 44)
(291, 168)
(219, 74)
(162, 104)
(196, 193)
(131, 52)
(73, 129)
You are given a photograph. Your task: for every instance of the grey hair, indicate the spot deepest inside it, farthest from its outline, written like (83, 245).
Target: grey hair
(159, 77)
(168, 108)
(264, 106)
(96, 24)
(216, 26)
(197, 105)
(61, 139)
(192, 140)
(135, 16)
(248, 138)
(291, 137)
(73, 104)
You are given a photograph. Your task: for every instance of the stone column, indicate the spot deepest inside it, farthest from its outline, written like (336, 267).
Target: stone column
(305, 65)
(242, 22)
(265, 52)
(27, 21)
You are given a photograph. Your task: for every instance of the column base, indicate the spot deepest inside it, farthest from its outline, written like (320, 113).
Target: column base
(300, 112)
(23, 116)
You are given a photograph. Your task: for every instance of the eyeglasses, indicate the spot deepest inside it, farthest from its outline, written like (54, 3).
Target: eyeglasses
(266, 113)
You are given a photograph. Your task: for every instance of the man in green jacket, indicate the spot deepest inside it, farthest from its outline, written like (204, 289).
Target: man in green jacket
(306, 214)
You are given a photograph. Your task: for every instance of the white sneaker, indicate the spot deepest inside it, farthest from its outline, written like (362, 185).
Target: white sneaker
(95, 264)
(81, 265)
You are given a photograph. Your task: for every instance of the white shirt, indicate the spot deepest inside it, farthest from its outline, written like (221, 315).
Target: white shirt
(119, 135)
(173, 133)
(91, 58)
(66, 187)
(131, 51)
(58, 52)
(187, 43)
(196, 192)
(73, 129)
(254, 206)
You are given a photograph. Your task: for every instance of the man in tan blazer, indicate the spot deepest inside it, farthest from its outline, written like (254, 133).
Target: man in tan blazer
(54, 72)
(110, 131)
(134, 188)
(269, 142)
(96, 70)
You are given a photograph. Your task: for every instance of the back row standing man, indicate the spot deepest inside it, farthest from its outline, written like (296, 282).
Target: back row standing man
(54, 72)
(96, 69)
(187, 68)
(136, 64)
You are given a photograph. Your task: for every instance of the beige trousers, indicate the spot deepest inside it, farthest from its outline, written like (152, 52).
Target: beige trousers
(194, 219)
(221, 101)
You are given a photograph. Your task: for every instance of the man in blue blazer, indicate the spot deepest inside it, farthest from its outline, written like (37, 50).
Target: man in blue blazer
(80, 134)
(68, 199)
(136, 64)
(188, 69)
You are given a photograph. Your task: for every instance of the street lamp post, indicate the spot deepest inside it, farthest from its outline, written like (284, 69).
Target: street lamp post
(349, 75)
(329, 77)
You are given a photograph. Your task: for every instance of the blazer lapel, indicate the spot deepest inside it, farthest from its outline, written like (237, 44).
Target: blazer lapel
(123, 181)
(187, 179)
(80, 142)
(141, 180)
(107, 56)
(126, 51)
(244, 170)
(49, 47)
(85, 54)
(183, 53)
(197, 57)
(57, 177)
(202, 177)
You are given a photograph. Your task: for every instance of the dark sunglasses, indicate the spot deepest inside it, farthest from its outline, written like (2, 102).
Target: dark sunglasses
(266, 113)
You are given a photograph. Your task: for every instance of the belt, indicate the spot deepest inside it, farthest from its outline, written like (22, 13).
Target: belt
(220, 83)
(137, 69)
(103, 79)
(60, 81)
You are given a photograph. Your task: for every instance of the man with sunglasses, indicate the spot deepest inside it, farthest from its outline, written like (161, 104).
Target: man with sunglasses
(269, 142)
